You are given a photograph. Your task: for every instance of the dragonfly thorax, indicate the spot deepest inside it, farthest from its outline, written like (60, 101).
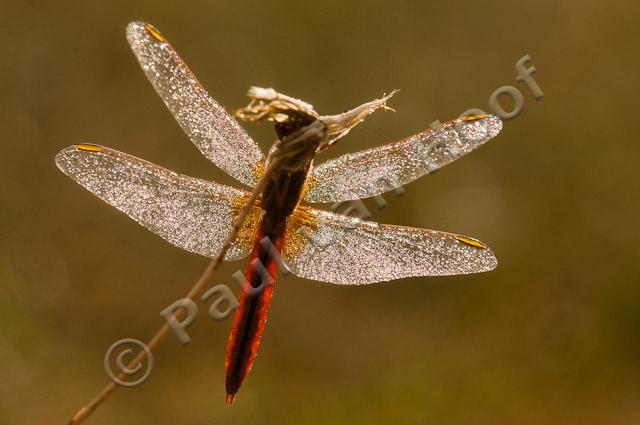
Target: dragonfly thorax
(296, 147)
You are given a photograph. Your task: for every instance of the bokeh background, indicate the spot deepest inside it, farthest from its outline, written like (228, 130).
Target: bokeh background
(551, 336)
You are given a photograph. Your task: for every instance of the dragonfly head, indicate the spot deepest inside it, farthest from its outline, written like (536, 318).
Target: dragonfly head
(269, 105)
(287, 111)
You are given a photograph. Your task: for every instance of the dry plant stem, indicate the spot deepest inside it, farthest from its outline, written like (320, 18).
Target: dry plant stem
(84, 412)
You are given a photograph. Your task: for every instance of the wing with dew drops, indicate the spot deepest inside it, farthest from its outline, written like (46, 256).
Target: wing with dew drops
(193, 214)
(334, 248)
(216, 133)
(378, 170)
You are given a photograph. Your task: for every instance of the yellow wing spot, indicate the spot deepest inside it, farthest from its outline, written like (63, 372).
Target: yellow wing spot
(475, 117)
(88, 147)
(472, 242)
(155, 33)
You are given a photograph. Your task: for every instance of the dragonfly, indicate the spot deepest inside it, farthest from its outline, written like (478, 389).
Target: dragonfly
(196, 215)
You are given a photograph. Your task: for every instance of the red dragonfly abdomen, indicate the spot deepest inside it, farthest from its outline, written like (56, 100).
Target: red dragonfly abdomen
(255, 297)
(279, 199)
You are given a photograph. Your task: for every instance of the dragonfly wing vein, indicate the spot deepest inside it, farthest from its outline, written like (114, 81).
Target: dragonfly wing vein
(374, 171)
(334, 248)
(214, 131)
(193, 214)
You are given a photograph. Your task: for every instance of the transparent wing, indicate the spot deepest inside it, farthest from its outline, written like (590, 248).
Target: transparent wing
(216, 133)
(335, 248)
(378, 170)
(193, 214)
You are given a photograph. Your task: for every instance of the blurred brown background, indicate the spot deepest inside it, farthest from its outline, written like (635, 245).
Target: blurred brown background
(551, 336)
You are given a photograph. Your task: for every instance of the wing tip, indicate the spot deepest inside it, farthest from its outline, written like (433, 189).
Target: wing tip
(63, 156)
(489, 259)
(136, 29)
(60, 158)
(495, 125)
(492, 123)
(492, 261)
